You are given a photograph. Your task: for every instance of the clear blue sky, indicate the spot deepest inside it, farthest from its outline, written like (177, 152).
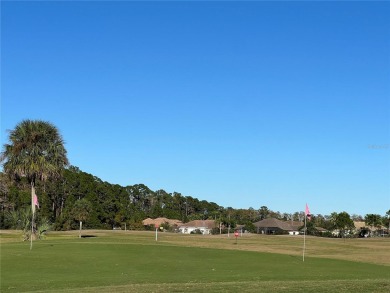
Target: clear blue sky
(240, 103)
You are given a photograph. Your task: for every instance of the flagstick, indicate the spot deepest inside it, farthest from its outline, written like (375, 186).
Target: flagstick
(32, 209)
(304, 240)
(32, 230)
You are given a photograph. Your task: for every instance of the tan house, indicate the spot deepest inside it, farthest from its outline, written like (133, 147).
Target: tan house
(161, 221)
(275, 226)
(366, 231)
(359, 224)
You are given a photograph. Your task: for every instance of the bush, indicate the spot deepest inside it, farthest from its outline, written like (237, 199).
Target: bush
(197, 231)
(215, 231)
(250, 227)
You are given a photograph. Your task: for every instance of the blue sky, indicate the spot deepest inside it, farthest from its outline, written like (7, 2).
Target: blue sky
(240, 103)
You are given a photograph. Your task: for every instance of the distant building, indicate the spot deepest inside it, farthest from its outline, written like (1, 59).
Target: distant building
(275, 226)
(366, 231)
(161, 221)
(204, 226)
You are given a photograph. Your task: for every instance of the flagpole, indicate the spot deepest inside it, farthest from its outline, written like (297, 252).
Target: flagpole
(32, 209)
(304, 241)
(32, 231)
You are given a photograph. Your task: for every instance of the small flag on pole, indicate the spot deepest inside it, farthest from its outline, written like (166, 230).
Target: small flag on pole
(308, 217)
(36, 203)
(33, 195)
(307, 212)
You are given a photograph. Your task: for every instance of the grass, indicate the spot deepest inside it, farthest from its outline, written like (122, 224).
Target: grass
(118, 261)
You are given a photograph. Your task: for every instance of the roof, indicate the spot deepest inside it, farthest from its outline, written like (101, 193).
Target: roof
(359, 224)
(160, 221)
(275, 223)
(200, 223)
(296, 224)
(362, 224)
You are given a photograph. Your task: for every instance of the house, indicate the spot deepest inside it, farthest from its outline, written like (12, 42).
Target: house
(321, 230)
(366, 231)
(160, 221)
(204, 226)
(275, 226)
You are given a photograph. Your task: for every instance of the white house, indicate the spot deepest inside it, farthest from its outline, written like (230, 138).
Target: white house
(205, 226)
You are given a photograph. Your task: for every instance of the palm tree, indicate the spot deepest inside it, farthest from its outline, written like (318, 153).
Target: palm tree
(36, 151)
(81, 210)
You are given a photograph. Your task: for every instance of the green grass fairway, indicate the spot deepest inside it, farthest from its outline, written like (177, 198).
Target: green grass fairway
(136, 263)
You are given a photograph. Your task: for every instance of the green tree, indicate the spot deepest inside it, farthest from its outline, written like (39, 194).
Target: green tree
(263, 212)
(343, 222)
(311, 227)
(373, 220)
(81, 210)
(387, 218)
(36, 151)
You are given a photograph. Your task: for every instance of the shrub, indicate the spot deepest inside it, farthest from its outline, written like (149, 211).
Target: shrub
(197, 231)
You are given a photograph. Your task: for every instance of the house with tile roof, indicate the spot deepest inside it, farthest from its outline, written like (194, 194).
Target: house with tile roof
(161, 221)
(275, 226)
(365, 231)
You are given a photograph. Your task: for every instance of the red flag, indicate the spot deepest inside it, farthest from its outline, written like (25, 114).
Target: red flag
(307, 212)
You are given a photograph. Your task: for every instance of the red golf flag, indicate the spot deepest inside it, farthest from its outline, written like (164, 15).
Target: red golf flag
(307, 212)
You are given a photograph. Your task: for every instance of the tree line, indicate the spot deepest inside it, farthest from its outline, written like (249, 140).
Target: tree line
(62, 202)
(35, 161)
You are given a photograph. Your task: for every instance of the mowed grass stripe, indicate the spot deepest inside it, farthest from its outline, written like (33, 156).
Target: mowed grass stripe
(367, 250)
(69, 263)
(340, 286)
